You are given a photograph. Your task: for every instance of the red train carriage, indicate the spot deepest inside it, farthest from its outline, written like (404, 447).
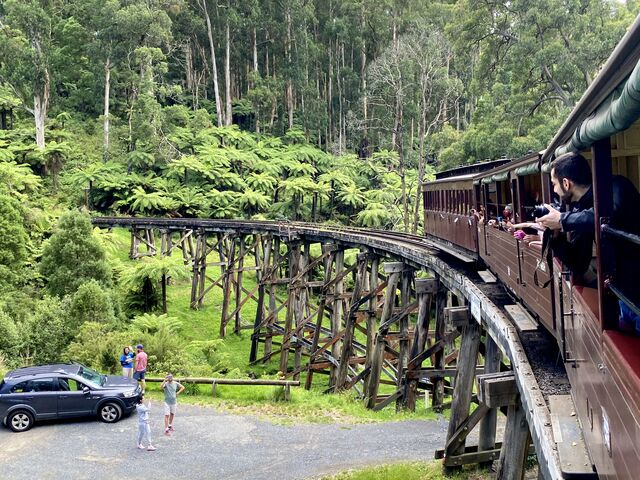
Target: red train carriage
(448, 202)
(603, 363)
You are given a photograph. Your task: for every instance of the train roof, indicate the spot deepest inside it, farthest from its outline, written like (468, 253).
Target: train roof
(458, 178)
(609, 105)
(528, 164)
(471, 169)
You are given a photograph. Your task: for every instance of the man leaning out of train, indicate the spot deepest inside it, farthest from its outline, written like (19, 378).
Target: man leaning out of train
(574, 229)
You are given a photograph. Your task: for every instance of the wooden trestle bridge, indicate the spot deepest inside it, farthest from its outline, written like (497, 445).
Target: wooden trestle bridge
(392, 316)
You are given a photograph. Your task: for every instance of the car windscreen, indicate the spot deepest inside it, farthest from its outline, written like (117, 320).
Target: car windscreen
(91, 375)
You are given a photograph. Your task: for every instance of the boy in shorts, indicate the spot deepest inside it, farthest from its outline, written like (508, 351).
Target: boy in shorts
(171, 391)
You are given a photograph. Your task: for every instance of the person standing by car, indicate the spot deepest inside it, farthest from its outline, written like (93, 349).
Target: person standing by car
(126, 360)
(141, 366)
(144, 430)
(171, 391)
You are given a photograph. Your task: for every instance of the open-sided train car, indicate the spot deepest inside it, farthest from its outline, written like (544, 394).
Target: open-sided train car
(602, 362)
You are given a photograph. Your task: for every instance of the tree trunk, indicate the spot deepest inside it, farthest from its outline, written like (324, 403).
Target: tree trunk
(41, 96)
(289, 93)
(164, 293)
(107, 87)
(363, 69)
(40, 114)
(214, 67)
(227, 71)
(421, 164)
(255, 51)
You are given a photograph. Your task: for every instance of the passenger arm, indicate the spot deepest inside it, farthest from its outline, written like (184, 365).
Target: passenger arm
(582, 221)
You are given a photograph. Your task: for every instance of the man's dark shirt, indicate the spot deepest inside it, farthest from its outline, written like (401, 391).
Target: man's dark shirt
(574, 247)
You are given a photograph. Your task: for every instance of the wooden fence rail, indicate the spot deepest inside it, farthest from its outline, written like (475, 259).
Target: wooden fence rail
(214, 382)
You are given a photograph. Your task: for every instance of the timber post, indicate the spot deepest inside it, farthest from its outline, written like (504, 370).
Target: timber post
(372, 308)
(300, 303)
(438, 359)
(199, 266)
(350, 323)
(336, 312)
(463, 389)
(515, 446)
(403, 331)
(293, 260)
(262, 264)
(241, 254)
(394, 269)
(272, 315)
(487, 436)
(328, 252)
(225, 252)
(425, 289)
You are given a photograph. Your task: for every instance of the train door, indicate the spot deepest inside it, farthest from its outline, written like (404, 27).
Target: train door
(618, 260)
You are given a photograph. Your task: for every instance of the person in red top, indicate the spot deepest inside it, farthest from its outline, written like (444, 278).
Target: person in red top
(141, 366)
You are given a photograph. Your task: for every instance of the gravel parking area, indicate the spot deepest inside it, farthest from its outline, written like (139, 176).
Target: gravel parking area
(210, 445)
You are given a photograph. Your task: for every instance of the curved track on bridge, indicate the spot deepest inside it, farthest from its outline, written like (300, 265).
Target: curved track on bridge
(485, 300)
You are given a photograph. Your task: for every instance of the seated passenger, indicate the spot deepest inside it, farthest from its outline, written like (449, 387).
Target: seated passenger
(507, 217)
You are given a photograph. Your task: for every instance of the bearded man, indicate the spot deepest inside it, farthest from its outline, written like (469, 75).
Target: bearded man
(573, 229)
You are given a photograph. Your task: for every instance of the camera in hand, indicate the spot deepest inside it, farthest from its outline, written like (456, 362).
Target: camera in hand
(540, 210)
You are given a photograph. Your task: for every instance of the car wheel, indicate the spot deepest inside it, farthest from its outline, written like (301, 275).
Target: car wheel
(20, 421)
(110, 412)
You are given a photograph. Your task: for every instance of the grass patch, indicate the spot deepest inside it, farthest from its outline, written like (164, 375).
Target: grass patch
(409, 471)
(305, 406)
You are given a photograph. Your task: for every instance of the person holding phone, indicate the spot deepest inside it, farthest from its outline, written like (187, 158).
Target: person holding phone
(126, 361)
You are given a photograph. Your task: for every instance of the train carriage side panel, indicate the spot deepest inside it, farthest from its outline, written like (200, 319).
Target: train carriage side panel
(603, 362)
(448, 222)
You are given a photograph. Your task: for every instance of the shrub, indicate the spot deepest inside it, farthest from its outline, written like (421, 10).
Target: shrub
(90, 303)
(73, 256)
(46, 332)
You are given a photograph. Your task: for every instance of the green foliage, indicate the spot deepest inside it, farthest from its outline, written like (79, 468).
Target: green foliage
(152, 324)
(140, 280)
(215, 356)
(46, 332)
(9, 347)
(13, 240)
(72, 256)
(90, 303)
(98, 345)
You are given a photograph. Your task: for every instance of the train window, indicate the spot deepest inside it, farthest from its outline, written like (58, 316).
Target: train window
(530, 195)
(492, 201)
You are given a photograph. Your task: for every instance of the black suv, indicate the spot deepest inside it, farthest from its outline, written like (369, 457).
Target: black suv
(61, 391)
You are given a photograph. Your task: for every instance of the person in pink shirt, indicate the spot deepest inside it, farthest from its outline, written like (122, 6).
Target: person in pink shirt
(141, 366)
